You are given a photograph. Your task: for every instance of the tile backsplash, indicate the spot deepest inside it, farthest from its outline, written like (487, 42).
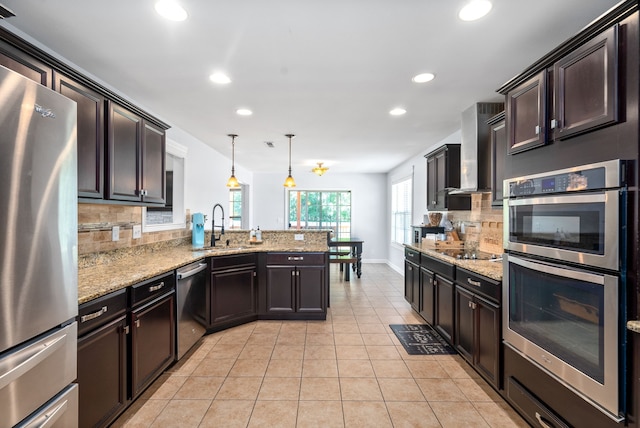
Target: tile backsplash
(482, 224)
(95, 222)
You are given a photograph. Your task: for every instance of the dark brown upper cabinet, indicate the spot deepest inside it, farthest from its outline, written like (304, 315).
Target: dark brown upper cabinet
(20, 62)
(443, 174)
(578, 93)
(90, 135)
(586, 87)
(527, 114)
(135, 157)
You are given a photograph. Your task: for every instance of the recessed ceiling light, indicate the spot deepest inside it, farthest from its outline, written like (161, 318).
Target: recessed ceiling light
(398, 111)
(170, 9)
(475, 9)
(423, 77)
(244, 112)
(220, 78)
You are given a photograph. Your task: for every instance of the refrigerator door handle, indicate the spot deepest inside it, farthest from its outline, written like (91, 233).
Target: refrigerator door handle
(28, 358)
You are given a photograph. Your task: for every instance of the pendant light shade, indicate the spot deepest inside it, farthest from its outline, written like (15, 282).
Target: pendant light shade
(289, 182)
(233, 181)
(319, 170)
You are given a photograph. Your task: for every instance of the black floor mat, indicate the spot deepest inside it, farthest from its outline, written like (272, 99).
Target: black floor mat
(421, 339)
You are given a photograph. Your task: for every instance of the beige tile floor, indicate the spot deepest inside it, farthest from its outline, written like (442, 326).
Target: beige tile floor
(347, 371)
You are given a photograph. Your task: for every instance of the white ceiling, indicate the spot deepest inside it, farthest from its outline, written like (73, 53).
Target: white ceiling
(328, 71)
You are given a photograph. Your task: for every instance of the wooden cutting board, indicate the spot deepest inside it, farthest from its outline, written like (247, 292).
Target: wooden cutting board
(491, 237)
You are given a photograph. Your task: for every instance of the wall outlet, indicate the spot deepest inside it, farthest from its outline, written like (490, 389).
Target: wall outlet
(137, 231)
(299, 236)
(115, 233)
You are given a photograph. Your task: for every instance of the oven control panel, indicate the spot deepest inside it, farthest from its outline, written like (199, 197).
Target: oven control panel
(577, 180)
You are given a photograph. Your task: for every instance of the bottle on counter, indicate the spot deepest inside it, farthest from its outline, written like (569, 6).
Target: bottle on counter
(252, 235)
(258, 234)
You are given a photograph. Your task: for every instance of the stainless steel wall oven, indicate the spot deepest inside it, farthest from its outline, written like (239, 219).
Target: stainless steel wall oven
(564, 278)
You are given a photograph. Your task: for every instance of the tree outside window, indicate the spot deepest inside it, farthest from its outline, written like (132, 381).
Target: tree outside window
(310, 209)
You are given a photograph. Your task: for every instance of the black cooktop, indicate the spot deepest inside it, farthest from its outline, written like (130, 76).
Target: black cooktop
(470, 255)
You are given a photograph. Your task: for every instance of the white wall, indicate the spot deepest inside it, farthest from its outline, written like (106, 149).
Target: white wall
(417, 166)
(369, 213)
(207, 172)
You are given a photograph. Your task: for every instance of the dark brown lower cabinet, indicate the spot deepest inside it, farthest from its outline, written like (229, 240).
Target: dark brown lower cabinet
(296, 286)
(427, 294)
(103, 359)
(233, 289)
(102, 374)
(152, 341)
(445, 311)
(477, 324)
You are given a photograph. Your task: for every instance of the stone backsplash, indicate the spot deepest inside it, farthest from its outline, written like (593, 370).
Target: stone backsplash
(482, 224)
(95, 222)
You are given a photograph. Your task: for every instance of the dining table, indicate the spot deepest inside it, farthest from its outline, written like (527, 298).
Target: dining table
(355, 245)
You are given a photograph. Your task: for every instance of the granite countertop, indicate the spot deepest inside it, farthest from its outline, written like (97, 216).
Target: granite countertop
(104, 278)
(488, 268)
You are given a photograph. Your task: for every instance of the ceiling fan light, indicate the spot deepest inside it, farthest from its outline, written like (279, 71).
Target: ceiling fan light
(320, 170)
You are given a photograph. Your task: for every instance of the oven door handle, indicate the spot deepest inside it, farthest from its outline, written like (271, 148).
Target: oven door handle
(562, 199)
(558, 270)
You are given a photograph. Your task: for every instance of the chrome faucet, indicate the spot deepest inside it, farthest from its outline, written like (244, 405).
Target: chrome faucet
(213, 225)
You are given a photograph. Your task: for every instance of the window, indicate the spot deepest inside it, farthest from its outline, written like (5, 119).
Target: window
(235, 208)
(321, 210)
(401, 211)
(172, 215)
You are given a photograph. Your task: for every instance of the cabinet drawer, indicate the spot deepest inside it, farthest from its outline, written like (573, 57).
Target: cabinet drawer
(412, 256)
(534, 410)
(296, 258)
(479, 284)
(102, 310)
(232, 261)
(437, 266)
(148, 290)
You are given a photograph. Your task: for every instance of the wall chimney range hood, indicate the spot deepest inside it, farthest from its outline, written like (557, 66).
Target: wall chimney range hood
(475, 153)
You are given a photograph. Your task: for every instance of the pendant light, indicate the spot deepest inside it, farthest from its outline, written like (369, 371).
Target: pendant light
(289, 182)
(319, 170)
(233, 181)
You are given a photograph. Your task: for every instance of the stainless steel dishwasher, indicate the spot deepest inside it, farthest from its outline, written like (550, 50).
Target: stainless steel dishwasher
(191, 306)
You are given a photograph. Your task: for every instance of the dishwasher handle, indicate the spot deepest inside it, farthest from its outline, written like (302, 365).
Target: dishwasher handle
(191, 272)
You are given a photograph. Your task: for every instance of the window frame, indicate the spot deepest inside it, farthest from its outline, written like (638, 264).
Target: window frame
(335, 226)
(407, 215)
(179, 213)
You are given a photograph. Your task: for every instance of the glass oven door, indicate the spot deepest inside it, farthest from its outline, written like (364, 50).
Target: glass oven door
(578, 228)
(567, 322)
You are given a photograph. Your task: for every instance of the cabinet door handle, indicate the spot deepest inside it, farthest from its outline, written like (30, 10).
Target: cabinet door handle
(293, 273)
(472, 282)
(137, 323)
(433, 202)
(297, 273)
(126, 329)
(554, 124)
(93, 315)
(296, 259)
(537, 129)
(156, 287)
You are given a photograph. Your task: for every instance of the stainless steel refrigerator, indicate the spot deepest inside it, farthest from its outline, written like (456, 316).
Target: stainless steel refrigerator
(38, 255)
